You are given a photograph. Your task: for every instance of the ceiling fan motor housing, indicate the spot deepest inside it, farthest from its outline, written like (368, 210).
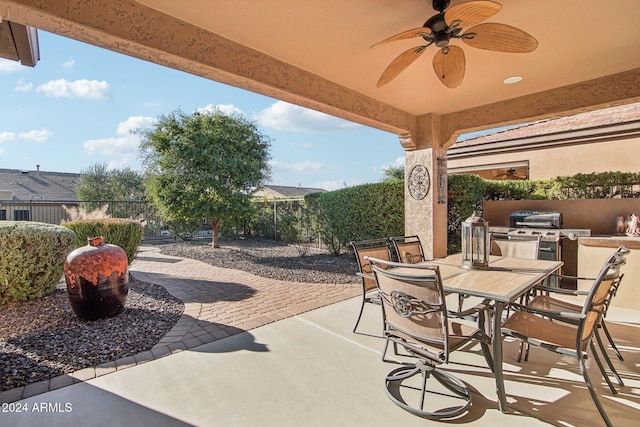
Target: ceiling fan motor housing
(439, 30)
(440, 5)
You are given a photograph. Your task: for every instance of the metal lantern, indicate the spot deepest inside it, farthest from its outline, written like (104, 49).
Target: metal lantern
(475, 242)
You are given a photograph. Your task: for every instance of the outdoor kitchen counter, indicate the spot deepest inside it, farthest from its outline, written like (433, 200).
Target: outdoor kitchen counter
(593, 251)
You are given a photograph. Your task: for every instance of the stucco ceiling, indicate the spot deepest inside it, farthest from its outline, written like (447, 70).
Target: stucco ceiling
(578, 41)
(317, 54)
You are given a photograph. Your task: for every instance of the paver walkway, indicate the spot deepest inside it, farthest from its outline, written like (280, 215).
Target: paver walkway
(218, 303)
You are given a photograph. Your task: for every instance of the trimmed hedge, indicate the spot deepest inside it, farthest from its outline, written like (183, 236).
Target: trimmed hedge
(357, 213)
(126, 233)
(32, 256)
(377, 210)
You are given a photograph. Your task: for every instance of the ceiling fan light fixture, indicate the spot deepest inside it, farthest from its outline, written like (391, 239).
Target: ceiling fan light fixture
(511, 80)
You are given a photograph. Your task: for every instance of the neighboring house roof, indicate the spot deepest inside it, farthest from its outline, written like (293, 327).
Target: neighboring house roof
(604, 124)
(22, 185)
(284, 191)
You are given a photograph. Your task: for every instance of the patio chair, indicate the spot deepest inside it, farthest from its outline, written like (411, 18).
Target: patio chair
(416, 319)
(545, 302)
(407, 249)
(377, 248)
(568, 333)
(514, 246)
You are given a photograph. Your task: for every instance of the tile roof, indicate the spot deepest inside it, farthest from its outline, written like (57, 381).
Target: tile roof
(291, 191)
(40, 185)
(598, 119)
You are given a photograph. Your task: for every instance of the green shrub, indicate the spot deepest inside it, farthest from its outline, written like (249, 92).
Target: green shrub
(32, 256)
(358, 213)
(126, 233)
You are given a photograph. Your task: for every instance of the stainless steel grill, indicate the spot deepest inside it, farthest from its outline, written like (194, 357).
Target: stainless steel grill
(556, 243)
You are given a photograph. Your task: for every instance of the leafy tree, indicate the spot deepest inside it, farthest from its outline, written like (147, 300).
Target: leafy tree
(204, 166)
(98, 184)
(393, 173)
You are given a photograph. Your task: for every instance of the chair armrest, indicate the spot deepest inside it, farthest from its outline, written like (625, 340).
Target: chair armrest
(481, 306)
(544, 288)
(558, 315)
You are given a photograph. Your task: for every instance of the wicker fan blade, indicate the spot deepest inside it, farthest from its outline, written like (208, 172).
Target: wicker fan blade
(449, 67)
(416, 32)
(501, 38)
(470, 13)
(399, 64)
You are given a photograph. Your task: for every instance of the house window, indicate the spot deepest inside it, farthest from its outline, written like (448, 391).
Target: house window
(3, 214)
(21, 215)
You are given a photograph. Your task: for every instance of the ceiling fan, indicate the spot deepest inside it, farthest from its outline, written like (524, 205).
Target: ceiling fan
(510, 174)
(448, 24)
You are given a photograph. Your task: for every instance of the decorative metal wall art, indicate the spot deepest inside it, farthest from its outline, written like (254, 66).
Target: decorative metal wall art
(418, 182)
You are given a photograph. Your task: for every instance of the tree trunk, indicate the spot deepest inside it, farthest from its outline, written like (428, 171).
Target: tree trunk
(214, 226)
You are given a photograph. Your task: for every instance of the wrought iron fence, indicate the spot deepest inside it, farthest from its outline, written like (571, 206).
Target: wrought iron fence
(272, 219)
(56, 211)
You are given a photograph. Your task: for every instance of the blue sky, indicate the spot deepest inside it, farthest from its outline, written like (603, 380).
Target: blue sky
(78, 104)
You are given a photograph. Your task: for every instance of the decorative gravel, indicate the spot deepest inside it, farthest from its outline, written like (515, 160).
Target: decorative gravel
(43, 338)
(270, 259)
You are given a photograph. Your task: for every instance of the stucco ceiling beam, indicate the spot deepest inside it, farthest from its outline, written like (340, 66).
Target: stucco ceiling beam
(608, 91)
(133, 29)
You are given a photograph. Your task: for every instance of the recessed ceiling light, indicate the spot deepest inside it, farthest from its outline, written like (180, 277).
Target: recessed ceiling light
(512, 80)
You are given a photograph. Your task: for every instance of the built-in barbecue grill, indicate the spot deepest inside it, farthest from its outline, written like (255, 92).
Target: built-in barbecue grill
(547, 225)
(533, 219)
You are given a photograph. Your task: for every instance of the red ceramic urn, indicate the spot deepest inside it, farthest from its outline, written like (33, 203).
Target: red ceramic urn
(97, 277)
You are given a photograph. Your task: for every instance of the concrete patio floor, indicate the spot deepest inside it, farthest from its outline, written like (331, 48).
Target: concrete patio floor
(310, 369)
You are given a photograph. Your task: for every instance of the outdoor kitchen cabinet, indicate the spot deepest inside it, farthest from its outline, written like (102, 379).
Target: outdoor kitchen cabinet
(593, 251)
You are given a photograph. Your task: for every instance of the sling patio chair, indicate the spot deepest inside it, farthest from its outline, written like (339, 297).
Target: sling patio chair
(567, 333)
(545, 302)
(515, 246)
(377, 248)
(416, 319)
(407, 249)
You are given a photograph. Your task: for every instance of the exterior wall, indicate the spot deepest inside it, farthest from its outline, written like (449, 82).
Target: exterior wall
(615, 155)
(47, 213)
(597, 215)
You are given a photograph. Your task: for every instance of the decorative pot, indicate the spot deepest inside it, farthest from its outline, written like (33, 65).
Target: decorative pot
(97, 277)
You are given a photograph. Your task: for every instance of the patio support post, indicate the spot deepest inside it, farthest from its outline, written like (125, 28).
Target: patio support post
(426, 186)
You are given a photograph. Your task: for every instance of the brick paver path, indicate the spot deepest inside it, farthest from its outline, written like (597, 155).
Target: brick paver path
(220, 302)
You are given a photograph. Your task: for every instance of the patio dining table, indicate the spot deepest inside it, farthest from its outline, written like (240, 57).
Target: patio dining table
(504, 281)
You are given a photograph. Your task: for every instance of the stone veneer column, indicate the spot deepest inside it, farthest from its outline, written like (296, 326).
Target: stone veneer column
(426, 187)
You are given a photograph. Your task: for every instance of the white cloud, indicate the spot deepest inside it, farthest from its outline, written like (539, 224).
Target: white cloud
(398, 162)
(112, 146)
(69, 63)
(289, 117)
(7, 66)
(303, 166)
(8, 136)
(84, 89)
(23, 86)
(226, 109)
(32, 135)
(134, 123)
(36, 135)
(124, 147)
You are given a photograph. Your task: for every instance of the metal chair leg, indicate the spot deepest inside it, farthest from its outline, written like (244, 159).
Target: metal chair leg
(613, 344)
(360, 314)
(607, 359)
(602, 370)
(594, 395)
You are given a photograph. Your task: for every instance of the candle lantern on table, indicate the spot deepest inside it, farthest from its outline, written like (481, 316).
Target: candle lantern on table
(475, 242)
